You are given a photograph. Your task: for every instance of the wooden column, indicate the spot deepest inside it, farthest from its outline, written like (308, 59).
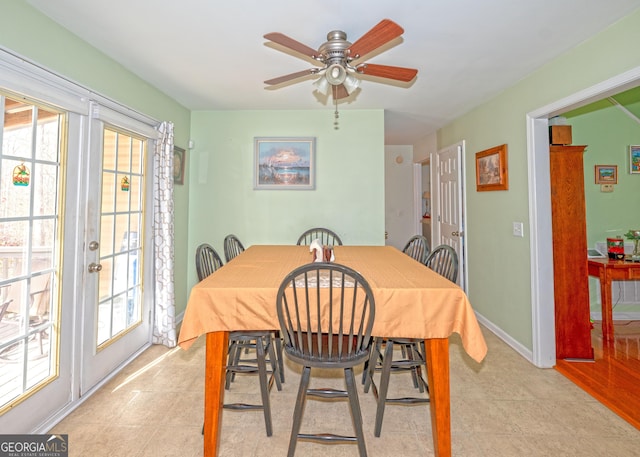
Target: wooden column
(570, 274)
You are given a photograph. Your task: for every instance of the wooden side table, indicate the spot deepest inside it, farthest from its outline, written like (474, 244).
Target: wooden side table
(607, 271)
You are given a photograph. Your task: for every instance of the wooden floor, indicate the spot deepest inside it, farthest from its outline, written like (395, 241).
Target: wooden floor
(614, 377)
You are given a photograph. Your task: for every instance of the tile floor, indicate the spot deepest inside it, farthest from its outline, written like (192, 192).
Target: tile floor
(502, 407)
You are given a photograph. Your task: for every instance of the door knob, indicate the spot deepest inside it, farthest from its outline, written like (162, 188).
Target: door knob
(94, 267)
(455, 233)
(94, 245)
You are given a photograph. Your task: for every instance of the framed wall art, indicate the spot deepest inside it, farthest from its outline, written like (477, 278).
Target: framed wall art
(634, 159)
(492, 172)
(284, 163)
(606, 174)
(179, 158)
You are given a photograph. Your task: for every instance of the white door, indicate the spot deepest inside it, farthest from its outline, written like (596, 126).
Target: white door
(117, 305)
(448, 203)
(37, 281)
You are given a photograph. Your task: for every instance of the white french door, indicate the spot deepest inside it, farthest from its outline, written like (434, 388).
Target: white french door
(37, 260)
(449, 198)
(75, 196)
(117, 306)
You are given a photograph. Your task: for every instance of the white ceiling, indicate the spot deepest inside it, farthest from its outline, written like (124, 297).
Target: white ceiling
(211, 54)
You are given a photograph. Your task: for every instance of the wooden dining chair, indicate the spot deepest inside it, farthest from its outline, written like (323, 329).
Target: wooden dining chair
(326, 313)
(417, 248)
(232, 247)
(444, 261)
(207, 262)
(326, 237)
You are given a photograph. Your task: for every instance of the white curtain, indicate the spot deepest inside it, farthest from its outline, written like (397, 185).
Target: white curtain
(164, 326)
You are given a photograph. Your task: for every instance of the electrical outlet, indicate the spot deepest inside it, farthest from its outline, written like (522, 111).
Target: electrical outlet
(518, 229)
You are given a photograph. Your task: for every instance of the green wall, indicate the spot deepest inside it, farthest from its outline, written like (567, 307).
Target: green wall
(607, 131)
(349, 194)
(30, 34)
(499, 263)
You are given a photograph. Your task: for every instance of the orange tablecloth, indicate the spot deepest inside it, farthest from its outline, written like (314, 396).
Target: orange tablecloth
(411, 300)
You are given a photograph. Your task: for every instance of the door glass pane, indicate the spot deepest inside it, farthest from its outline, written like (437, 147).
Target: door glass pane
(109, 191)
(106, 234)
(30, 164)
(45, 175)
(120, 234)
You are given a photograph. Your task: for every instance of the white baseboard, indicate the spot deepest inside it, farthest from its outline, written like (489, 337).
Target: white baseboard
(514, 344)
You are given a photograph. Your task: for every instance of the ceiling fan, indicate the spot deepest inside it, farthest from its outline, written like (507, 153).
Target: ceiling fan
(338, 59)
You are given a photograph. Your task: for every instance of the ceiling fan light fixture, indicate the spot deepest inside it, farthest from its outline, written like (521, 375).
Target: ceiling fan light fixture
(322, 85)
(351, 83)
(336, 74)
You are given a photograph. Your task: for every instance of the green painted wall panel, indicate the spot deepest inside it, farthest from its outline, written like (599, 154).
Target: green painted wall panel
(499, 264)
(349, 194)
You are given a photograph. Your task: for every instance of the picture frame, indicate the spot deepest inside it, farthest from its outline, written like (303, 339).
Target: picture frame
(606, 174)
(492, 171)
(284, 163)
(179, 159)
(634, 159)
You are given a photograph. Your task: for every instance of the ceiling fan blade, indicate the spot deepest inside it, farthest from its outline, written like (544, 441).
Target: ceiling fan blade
(386, 71)
(339, 92)
(289, 77)
(385, 31)
(292, 44)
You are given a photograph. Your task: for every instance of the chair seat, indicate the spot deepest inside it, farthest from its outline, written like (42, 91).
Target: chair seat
(320, 356)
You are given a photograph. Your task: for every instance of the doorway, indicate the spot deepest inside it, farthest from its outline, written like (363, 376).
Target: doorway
(542, 299)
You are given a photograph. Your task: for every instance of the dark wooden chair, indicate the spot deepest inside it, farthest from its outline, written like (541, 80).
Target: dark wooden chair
(326, 237)
(417, 248)
(207, 262)
(444, 261)
(326, 312)
(232, 247)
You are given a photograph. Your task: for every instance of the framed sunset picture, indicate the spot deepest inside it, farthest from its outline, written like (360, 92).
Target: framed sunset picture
(284, 163)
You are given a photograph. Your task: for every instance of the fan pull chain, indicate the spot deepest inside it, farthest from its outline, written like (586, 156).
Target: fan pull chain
(336, 125)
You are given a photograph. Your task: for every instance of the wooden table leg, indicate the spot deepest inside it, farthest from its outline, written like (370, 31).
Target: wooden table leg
(437, 354)
(217, 343)
(607, 307)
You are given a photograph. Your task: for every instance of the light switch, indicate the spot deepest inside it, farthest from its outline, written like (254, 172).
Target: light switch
(606, 187)
(518, 229)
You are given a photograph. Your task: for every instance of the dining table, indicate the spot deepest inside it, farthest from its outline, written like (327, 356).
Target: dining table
(412, 301)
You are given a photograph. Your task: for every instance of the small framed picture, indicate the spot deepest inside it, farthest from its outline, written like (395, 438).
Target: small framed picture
(179, 159)
(492, 172)
(606, 174)
(634, 159)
